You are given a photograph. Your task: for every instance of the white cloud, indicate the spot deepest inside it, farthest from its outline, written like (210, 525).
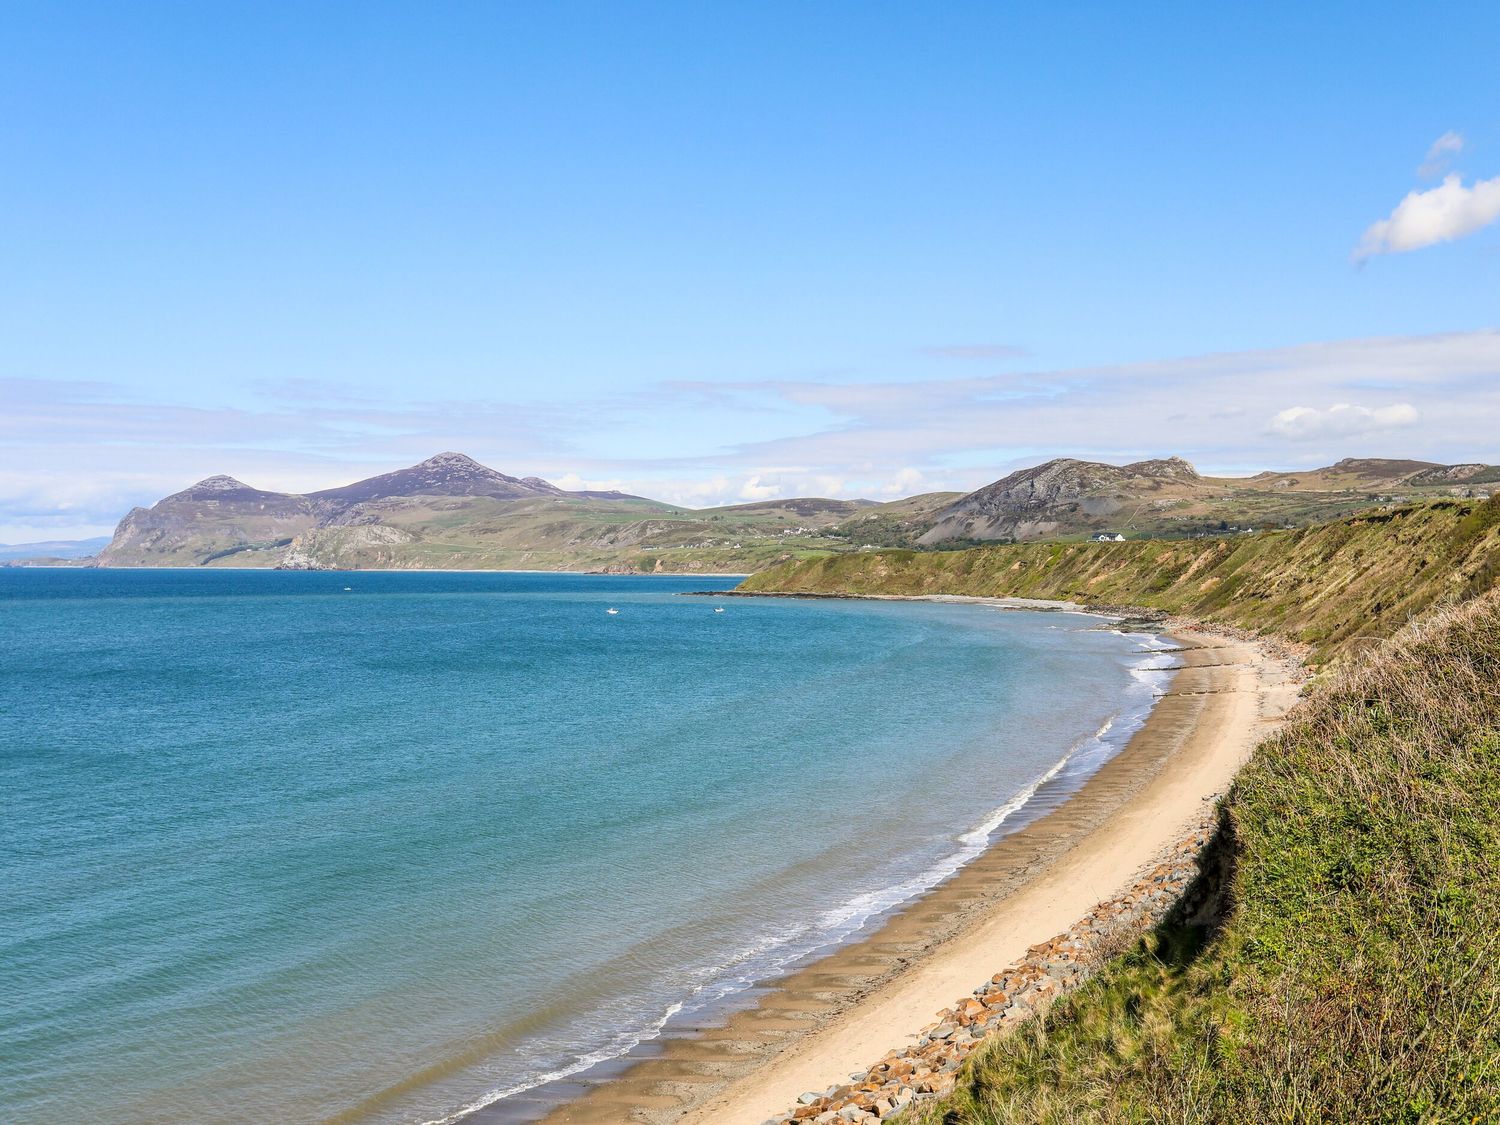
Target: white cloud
(1343, 420)
(1441, 154)
(907, 482)
(79, 455)
(1425, 218)
(753, 489)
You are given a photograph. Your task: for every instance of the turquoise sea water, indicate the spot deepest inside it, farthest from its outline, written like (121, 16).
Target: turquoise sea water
(276, 850)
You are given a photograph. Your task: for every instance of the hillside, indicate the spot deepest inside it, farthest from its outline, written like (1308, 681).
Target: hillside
(1168, 498)
(1325, 585)
(1348, 972)
(1060, 495)
(451, 512)
(51, 551)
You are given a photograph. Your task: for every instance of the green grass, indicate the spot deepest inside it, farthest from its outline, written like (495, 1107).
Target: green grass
(1352, 972)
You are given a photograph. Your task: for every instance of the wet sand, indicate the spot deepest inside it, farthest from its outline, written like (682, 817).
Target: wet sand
(842, 1012)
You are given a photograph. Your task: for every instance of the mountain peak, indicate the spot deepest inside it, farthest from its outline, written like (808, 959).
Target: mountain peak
(219, 483)
(220, 487)
(1382, 466)
(448, 459)
(443, 474)
(1174, 468)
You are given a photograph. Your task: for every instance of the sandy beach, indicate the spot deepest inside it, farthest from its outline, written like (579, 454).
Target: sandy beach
(841, 1013)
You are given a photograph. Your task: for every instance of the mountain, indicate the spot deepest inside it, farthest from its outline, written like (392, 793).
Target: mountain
(1061, 494)
(215, 517)
(450, 511)
(445, 474)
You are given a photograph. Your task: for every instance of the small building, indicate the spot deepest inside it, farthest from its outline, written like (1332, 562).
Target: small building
(1109, 537)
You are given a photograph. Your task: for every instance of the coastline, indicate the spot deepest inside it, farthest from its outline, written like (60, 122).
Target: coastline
(408, 570)
(842, 1011)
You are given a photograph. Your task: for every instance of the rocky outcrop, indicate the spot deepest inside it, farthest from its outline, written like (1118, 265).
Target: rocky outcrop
(345, 548)
(1457, 474)
(1036, 502)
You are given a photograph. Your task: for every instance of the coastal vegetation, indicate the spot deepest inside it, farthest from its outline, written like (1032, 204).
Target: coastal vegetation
(1350, 972)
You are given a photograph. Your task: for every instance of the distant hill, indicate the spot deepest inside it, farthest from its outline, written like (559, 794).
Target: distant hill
(1061, 494)
(1168, 498)
(445, 474)
(450, 511)
(1374, 472)
(51, 550)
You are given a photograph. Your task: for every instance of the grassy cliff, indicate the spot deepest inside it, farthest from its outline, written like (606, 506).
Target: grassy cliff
(1326, 585)
(1352, 974)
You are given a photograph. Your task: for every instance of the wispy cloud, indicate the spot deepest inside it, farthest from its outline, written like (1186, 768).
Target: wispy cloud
(957, 431)
(80, 454)
(1425, 218)
(309, 390)
(1440, 155)
(1342, 420)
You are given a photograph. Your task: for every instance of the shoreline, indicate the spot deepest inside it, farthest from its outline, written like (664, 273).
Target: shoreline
(841, 1011)
(404, 570)
(997, 602)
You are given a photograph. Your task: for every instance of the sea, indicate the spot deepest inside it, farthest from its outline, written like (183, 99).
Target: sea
(397, 847)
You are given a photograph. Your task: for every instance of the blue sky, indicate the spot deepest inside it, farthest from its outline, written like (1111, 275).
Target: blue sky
(722, 251)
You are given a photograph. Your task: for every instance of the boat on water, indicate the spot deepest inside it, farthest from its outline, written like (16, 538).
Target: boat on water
(611, 610)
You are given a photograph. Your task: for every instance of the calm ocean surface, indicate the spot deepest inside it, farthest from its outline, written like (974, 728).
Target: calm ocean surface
(274, 850)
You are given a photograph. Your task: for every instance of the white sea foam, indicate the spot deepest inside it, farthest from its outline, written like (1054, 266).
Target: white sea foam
(619, 1046)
